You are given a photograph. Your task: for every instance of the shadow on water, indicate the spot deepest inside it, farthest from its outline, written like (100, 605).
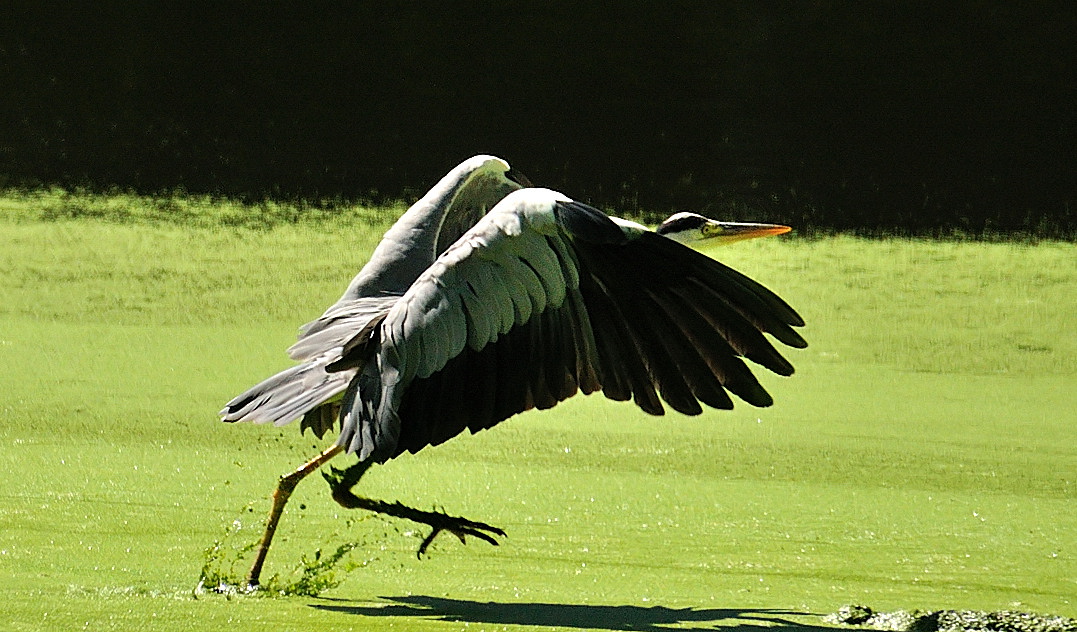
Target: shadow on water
(645, 619)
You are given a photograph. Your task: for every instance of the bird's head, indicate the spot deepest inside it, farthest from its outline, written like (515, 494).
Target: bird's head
(695, 230)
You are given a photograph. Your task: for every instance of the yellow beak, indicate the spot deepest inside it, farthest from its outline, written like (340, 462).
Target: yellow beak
(729, 232)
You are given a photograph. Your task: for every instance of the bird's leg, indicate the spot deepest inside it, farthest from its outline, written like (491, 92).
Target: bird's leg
(285, 487)
(342, 482)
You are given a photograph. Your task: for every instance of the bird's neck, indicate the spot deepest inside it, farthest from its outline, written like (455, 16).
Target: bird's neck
(407, 249)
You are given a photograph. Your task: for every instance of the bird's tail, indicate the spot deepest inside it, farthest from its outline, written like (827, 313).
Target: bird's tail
(290, 394)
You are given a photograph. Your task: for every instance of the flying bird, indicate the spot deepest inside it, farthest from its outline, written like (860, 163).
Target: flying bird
(489, 298)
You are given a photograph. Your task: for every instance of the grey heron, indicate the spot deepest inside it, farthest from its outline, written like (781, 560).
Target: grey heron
(487, 299)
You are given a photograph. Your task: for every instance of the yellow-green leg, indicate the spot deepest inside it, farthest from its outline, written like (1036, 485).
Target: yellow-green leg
(285, 487)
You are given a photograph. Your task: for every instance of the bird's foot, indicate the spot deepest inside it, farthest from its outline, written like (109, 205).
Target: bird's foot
(460, 527)
(340, 482)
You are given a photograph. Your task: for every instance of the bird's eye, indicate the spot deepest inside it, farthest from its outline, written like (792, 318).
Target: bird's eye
(710, 230)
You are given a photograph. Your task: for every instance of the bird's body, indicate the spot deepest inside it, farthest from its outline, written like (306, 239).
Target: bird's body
(487, 299)
(543, 298)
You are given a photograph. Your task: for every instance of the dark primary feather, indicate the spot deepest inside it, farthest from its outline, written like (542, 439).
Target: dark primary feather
(664, 283)
(754, 302)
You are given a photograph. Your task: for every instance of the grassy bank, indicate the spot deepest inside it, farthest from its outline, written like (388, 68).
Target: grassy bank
(924, 456)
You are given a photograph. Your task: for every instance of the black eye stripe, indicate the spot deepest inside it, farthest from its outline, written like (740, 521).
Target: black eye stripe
(690, 222)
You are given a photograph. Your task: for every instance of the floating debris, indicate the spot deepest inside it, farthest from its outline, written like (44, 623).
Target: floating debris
(951, 620)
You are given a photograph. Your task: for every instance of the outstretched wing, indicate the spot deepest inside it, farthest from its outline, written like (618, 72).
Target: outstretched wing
(546, 297)
(409, 247)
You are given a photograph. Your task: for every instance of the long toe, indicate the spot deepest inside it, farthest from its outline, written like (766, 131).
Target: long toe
(461, 528)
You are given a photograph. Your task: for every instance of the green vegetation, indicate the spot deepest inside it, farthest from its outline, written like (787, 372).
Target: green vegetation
(923, 457)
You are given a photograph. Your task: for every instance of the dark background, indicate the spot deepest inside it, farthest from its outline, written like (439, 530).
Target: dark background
(853, 115)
